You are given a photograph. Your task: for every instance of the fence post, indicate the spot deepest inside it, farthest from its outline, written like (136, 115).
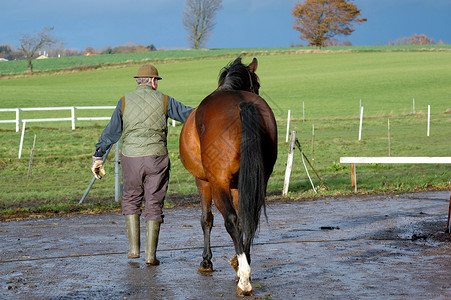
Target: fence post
(353, 179)
(303, 111)
(288, 125)
(17, 119)
(289, 163)
(361, 121)
(72, 110)
(21, 138)
(313, 144)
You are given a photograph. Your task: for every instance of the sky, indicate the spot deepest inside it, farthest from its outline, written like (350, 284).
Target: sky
(239, 24)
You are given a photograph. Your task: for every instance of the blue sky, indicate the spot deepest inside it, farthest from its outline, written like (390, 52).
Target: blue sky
(240, 23)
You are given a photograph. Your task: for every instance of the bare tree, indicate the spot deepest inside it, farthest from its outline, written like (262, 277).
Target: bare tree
(421, 39)
(30, 44)
(199, 20)
(57, 50)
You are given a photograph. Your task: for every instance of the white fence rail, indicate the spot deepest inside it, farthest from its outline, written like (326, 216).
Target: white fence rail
(72, 118)
(390, 160)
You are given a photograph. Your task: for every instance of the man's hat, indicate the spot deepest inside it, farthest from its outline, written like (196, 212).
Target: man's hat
(147, 71)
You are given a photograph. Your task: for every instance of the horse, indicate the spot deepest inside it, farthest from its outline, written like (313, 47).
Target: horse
(229, 144)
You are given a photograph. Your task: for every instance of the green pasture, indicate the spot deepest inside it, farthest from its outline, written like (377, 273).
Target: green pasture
(330, 85)
(96, 61)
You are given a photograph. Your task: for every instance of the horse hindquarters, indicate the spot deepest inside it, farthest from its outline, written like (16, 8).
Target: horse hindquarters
(189, 145)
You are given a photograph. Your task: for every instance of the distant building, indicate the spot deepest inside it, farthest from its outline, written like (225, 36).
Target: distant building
(43, 56)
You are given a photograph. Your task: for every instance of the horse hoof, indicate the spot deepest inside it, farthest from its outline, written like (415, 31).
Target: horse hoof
(205, 270)
(205, 267)
(240, 292)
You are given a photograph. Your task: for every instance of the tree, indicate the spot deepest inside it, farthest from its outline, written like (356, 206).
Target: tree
(5, 49)
(199, 20)
(321, 20)
(30, 44)
(416, 39)
(89, 51)
(152, 47)
(421, 39)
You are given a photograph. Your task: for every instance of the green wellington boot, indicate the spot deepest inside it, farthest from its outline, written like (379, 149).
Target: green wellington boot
(133, 232)
(152, 233)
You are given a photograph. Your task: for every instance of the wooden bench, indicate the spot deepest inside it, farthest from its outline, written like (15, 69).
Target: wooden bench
(389, 160)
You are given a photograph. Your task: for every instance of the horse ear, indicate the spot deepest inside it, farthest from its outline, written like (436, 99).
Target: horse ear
(253, 65)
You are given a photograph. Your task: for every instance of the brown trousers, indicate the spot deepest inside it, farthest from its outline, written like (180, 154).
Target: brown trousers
(146, 178)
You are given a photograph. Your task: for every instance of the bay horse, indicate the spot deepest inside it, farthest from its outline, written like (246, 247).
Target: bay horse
(229, 144)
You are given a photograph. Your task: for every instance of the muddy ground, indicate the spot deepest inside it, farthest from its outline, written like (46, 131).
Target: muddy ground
(339, 248)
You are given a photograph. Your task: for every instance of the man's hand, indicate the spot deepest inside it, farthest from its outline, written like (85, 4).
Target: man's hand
(97, 167)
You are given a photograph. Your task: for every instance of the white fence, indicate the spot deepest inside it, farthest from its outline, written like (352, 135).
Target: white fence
(72, 118)
(389, 160)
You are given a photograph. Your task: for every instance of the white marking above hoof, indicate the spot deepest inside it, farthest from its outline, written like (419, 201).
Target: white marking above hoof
(244, 273)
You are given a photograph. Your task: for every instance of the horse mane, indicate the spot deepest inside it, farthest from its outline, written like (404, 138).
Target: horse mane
(236, 76)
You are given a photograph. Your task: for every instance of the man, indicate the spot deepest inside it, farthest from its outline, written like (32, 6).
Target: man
(140, 118)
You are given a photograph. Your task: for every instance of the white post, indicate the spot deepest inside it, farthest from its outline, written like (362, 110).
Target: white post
(313, 144)
(413, 103)
(72, 110)
(429, 118)
(289, 163)
(21, 138)
(361, 121)
(303, 111)
(288, 126)
(17, 119)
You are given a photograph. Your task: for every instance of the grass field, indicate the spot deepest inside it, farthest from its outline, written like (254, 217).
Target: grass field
(330, 85)
(80, 62)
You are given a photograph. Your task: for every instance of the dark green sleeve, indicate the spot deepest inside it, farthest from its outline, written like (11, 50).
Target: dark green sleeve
(177, 110)
(112, 132)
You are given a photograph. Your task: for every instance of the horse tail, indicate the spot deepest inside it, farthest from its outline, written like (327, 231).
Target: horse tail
(251, 179)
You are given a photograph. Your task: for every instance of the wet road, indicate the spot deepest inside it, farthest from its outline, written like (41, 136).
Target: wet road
(342, 248)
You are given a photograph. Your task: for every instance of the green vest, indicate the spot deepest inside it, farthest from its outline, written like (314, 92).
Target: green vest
(144, 123)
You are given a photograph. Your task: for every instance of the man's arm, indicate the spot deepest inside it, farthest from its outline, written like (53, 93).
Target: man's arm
(112, 132)
(177, 110)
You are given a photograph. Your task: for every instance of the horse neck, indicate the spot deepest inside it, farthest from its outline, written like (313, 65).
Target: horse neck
(234, 83)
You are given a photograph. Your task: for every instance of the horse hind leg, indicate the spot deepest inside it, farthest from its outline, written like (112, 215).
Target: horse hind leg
(207, 223)
(234, 260)
(224, 204)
